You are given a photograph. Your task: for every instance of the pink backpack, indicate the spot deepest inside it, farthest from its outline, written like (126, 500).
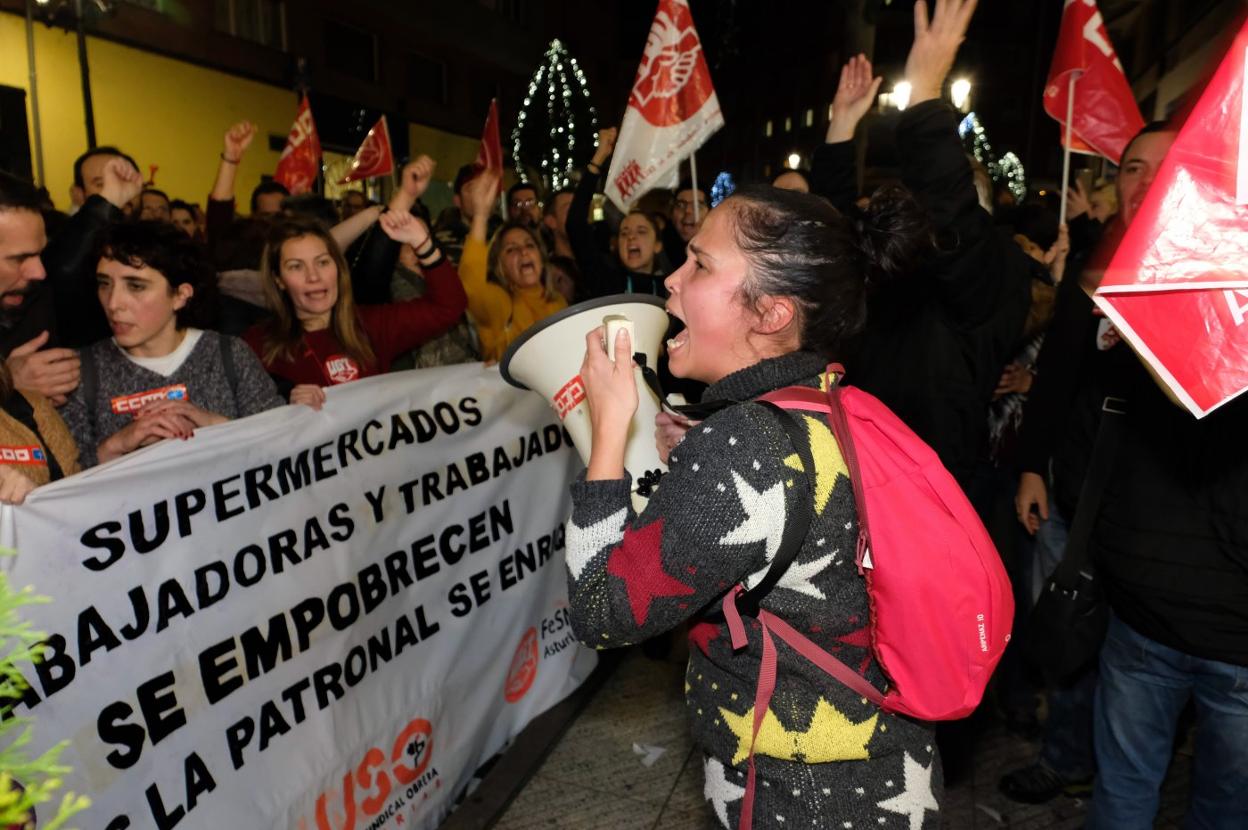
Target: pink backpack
(941, 604)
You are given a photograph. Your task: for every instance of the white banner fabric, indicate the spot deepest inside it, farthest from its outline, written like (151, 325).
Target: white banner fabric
(316, 620)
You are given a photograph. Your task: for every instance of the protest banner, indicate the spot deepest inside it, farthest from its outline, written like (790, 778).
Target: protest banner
(318, 620)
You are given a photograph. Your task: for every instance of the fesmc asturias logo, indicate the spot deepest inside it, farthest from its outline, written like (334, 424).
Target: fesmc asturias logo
(381, 786)
(672, 79)
(556, 635)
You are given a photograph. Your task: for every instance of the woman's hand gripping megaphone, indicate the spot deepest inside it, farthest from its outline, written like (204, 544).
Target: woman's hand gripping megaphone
(611, 393)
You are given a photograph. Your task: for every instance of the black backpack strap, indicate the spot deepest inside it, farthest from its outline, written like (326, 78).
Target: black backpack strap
(798, 520)
(89, 380)
(1073, 568)
(231, 371)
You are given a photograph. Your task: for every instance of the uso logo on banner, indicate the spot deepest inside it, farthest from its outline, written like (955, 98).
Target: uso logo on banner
(382, 785)
(672, 83)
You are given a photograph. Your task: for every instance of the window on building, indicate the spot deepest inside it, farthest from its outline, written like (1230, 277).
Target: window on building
(788, 124)
(258, 21)
(768, 128)
(426, 79)
(810, 118)
(351, 51)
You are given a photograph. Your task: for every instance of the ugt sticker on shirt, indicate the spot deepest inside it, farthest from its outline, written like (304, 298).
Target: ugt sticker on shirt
(129, 404)
(341, 368)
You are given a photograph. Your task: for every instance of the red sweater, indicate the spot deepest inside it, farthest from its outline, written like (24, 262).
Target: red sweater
(392, 329)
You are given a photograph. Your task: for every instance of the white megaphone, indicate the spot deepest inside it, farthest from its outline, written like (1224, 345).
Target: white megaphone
(547, 359)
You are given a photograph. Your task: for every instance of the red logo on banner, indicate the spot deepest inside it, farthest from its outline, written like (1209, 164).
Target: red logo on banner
(569, 397)
(628, 179)
(374, 158)
(523, 669)
(342, 369)
(301, 159)
(673, 81)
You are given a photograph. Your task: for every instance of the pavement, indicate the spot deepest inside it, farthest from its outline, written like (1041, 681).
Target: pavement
(618, 755)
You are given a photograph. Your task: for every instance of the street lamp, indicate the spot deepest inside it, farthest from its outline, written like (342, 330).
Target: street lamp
(960, 92)
(794, 161)
(901, 94)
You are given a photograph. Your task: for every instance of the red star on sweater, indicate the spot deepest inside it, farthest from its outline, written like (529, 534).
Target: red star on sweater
(637, 559)
(703, 634)
(862, 639)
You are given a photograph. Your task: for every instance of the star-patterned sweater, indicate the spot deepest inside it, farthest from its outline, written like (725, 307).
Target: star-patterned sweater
(825, 757)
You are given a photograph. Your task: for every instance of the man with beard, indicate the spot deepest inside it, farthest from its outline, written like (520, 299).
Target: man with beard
(523, 205)
(684, 222)
(52, 373)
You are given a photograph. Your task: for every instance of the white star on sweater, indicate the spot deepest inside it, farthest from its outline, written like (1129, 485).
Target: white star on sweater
(798, 577)
(719, 790)
(764, 516)
(584, 542)
(916, 798)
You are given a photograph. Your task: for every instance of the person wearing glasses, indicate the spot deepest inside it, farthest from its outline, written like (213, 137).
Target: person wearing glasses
(523, 206)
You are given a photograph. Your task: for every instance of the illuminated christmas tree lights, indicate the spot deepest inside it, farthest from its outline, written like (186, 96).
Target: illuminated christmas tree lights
(556, 130)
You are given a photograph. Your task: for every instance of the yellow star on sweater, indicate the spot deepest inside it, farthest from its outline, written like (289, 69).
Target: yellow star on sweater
(829, 463)
(830, 737)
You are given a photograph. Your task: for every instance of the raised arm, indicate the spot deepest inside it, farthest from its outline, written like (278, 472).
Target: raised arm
(934, 163)
(833, 170)
(598, 274)
(69, 257)
(373, 268)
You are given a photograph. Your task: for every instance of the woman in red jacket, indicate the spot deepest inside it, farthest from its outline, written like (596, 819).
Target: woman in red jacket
(317, 336)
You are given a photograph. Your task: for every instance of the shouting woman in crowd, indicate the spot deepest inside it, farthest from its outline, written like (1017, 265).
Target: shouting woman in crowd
(635, 266)
(774, 284)
(159, 376)
(318, 336)
(508, 282)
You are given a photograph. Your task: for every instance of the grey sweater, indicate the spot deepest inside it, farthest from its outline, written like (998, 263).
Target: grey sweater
(94, 414)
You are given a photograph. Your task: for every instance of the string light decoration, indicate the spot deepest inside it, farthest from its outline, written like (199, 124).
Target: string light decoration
(1008, 169)
(557, 128)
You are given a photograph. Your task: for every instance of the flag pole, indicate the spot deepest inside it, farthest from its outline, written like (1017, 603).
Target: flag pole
(1070, 117)
(693, 175)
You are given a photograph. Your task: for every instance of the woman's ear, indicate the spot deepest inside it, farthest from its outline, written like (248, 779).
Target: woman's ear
(775, 314)
(183, 295)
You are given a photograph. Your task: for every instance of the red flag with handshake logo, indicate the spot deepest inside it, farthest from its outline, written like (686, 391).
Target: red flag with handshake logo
(1104, 116)
(300, 163)
(671, 112)
(1177, 287)
(375, 157)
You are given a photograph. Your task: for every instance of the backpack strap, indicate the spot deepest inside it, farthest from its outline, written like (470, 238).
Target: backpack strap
(231, 370)
(798, 520)
(89, 380)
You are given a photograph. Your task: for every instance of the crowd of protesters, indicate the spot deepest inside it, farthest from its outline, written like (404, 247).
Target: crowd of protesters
(140, 318)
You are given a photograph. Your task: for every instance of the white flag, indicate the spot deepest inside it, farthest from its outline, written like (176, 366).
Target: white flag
(672, 110)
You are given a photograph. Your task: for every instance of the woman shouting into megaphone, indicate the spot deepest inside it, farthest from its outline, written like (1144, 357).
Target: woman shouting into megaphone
(774, 284)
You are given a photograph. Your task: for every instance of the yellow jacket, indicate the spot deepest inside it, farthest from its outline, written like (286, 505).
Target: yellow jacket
(501, 315)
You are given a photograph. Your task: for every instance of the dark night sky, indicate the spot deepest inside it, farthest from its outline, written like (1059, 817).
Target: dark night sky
(777, 58)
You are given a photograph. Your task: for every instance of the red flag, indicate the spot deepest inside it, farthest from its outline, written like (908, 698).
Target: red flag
(300, 163)
(375, 157)
(490, 155)
(1177, 288)
(1105, 116)
(671, 112)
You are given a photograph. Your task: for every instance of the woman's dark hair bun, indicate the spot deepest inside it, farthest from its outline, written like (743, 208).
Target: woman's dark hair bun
(893, 234)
